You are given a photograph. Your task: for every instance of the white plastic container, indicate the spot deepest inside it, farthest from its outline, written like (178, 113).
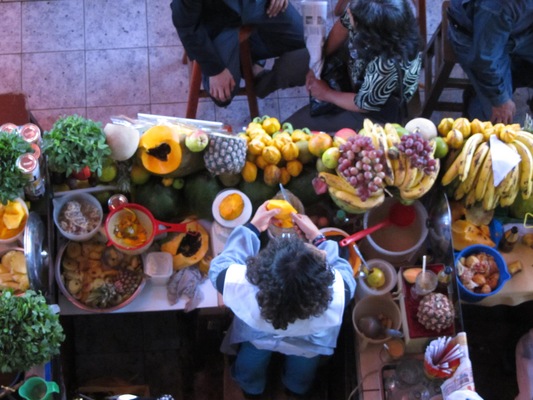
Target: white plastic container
(158, 267)
(60, 202)
(391, 279)
(397, 245)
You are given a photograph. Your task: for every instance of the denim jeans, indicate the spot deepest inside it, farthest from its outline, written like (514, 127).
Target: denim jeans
(251, 367)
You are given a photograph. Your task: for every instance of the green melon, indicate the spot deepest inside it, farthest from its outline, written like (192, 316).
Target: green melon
(164, 202)
(200, 191)
(302, 186)
(258, 192)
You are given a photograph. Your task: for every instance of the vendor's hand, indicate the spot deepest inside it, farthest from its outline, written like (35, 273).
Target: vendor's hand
(261, 219)
(305, 227)
(276, 6)
(318, 88)
(221, 86)
(504, 113)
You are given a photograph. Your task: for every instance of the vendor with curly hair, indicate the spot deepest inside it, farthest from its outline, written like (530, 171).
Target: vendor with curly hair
(288, 297)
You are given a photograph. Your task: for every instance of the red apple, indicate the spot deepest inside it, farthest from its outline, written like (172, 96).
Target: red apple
(345, 133)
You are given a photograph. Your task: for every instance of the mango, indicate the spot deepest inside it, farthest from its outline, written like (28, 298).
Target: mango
(284, 217)
(410, 274)
(231, 207)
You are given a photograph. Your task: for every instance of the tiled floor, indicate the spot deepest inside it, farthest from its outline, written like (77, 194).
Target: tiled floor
(100, 58)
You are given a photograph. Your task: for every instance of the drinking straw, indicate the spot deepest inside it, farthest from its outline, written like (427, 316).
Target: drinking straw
(423, 264)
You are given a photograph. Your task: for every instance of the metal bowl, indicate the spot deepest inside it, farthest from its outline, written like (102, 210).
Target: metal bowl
(92, 272)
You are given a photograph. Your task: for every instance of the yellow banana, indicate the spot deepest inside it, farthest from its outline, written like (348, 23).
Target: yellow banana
(367, 126)
(398, 170)
(470, 198)
(488, 199)
(471, 145)
(337, 182)
(526, 138)
(506, 183)
(410, 174)
(477, 162)
(368, 130)
(483, 177)
(425, 184)
(460, 191)
(379, 132)
(509, 197)
(352, 203)
(526, 168)
(392, 135)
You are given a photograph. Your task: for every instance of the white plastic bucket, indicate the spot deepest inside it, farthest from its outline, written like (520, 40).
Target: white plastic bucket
(397, 245)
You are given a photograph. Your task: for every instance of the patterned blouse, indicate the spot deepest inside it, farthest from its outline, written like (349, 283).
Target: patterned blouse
(377, 79)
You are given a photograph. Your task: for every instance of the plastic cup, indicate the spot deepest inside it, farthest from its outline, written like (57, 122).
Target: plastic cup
(36, 388)
(426, 282)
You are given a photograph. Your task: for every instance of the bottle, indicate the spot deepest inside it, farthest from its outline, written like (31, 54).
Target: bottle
(508, 240)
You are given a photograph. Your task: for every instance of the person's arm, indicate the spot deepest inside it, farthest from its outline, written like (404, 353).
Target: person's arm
(337, 37)
(242, 243)
(335, 261)
(187, 19)
(490, 62)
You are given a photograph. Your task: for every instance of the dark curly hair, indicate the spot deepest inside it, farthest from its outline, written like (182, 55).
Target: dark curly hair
(294, 281)
(386, 28)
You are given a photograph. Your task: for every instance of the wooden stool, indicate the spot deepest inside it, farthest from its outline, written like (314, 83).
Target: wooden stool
(439, 62)
(195, 78)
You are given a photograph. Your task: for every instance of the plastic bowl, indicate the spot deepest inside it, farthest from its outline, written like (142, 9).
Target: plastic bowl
(19, 232)
(470, 296)
(391, 279)
(83, 198)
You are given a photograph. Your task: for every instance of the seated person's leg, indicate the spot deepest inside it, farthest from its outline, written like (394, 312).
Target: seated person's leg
(299, 373)
(227, 44)
(250, 368)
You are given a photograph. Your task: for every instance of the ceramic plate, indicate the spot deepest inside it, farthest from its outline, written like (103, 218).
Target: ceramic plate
(241, 219)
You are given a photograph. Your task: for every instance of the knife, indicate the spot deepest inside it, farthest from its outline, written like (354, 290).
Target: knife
(284, 193)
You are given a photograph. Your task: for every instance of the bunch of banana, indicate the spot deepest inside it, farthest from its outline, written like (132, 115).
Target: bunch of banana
(345, 197)
(472, 173)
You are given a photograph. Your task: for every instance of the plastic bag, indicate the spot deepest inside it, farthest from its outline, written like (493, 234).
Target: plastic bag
(335, 74)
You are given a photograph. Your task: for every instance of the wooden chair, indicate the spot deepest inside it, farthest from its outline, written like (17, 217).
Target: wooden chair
(195, 78)
(439, 62)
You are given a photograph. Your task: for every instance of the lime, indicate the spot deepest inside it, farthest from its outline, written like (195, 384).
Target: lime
(139, 174)
(109, 173)
(376, 278)
(441, 147)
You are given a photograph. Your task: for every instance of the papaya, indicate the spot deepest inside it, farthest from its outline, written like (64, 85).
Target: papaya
(200, 190)
(164, 202)
(187, 248)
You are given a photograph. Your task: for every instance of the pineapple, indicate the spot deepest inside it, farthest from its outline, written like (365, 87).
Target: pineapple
(435, 312)
(225, 154)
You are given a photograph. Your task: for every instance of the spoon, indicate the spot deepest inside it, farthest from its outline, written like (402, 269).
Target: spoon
(372, 328)
(399, 215)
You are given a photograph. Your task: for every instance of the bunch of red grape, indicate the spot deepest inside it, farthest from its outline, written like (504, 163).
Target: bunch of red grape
(361, 164)
(419, 152)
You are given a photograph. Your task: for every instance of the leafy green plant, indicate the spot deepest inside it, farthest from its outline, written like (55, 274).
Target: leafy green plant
(12, 179)
(73, 143)
(30, 333)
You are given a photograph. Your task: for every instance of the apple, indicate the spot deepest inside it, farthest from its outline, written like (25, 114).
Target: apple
(81, 175)
(197, 141)
(375, 278)
(344, 133)
(178, 183)
(330, 157)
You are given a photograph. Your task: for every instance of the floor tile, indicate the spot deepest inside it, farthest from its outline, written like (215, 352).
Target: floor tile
(161, 31)
(117, 77)
(54, 80)
(115, 24)
(52, 25)
(10, 37)
(169, 78)
(10, 71)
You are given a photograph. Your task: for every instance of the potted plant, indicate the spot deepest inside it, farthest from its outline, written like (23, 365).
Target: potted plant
(30, 332)
(75, 146)
(12, 179)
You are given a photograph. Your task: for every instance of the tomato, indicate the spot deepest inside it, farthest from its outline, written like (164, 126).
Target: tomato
(82, 175)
